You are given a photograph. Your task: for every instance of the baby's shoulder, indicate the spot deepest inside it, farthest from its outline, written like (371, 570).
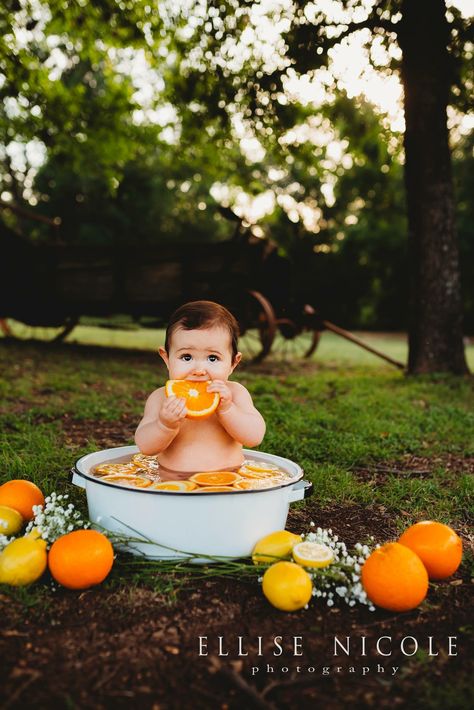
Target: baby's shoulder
(156, 397)
(239, 391)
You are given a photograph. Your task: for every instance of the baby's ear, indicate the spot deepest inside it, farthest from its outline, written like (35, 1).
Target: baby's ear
(237, 359)
(164, 356)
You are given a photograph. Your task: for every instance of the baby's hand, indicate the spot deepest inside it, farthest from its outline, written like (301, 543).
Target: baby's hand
(225, 393)
(173, 411)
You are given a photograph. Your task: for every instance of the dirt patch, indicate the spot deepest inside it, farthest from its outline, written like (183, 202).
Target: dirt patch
(131, 648)
(410, 466)
(80, 432)
(103, 432)
(352, 523)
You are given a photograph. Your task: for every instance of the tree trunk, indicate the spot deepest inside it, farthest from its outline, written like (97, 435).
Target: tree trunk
(435, 334)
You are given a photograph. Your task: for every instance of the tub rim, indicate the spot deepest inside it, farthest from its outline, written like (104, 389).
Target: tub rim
(75, 471)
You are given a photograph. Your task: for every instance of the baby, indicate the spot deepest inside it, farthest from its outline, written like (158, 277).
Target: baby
(200, 345)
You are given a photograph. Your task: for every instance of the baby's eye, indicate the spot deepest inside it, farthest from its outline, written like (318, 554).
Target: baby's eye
(213, 358)
(186, 357)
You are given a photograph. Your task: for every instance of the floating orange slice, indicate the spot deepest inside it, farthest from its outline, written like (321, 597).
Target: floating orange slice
(258, 467)
(145, 461)
(173, 486)
(122, 469)
(134, 481)
(199, 402)
(255, 484)
(215, 489)
(215, 478)
(247, 473)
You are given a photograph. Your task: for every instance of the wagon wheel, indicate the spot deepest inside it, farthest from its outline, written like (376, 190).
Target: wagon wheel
(257, 326)
(294, 341)
(23, 331)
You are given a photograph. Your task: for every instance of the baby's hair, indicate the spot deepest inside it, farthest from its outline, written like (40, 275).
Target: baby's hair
(203, 314)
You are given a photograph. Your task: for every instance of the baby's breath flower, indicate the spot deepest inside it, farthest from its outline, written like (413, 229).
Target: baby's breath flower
(340, 579)
(54, 519)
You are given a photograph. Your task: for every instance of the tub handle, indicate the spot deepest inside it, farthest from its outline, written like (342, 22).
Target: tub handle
(77, 478)
(300, 490)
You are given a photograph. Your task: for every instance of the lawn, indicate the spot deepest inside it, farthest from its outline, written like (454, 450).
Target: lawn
(382, 451)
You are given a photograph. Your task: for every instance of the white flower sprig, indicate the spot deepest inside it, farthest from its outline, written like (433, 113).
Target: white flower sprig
(55, 518)
(342, 577)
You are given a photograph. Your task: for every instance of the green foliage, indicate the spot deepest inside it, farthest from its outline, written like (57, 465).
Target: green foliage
(112, 179)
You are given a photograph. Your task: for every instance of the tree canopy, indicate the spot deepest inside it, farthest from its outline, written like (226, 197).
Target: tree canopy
(137, 122)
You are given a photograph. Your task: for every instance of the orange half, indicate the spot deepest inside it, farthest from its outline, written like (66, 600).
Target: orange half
(173, 486)
(199, 402)
(215, 478)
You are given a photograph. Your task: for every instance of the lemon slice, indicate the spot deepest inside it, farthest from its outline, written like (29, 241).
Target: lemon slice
(312, 554)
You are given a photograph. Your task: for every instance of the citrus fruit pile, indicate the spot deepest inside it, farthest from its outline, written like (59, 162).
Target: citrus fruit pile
(286, 584)
(77, 560)
(394, 576)
(143, 472)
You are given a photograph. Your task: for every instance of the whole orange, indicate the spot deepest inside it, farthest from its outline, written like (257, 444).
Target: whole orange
(81, 559)
(21, 495)
(437, 546)
(394, 577)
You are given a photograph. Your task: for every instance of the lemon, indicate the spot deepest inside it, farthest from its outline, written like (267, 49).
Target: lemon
(287, 586)
(23, 561)
(10, 521)
(312, 554)
(273, 546)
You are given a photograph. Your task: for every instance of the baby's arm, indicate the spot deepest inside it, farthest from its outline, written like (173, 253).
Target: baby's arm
(161, 422)
(238, 415)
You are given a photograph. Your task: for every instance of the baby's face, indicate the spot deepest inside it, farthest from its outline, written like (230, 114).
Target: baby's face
(200, 355)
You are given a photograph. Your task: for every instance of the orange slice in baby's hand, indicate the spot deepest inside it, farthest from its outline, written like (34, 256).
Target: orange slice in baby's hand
(199, 402)
(215, 478)
(180, 486)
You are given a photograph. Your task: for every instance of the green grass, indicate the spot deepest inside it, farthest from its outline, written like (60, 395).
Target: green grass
(332, 351)
(345, 414)
(334, 418)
